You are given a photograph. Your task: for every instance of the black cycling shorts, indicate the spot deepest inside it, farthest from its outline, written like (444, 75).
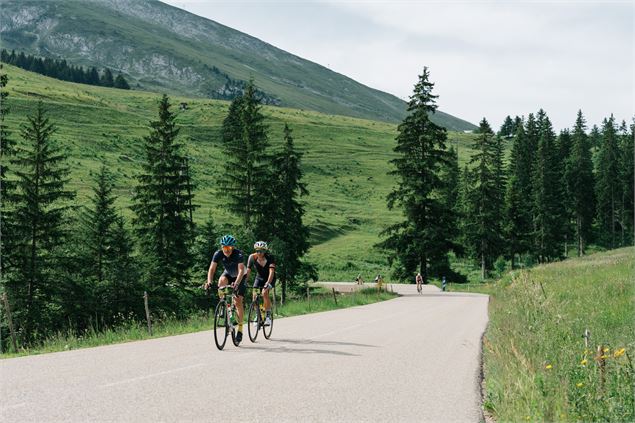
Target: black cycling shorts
(242, 287)
(261, 282)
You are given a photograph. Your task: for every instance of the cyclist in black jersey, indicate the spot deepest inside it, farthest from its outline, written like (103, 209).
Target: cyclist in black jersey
(265, 279)
(234, 274)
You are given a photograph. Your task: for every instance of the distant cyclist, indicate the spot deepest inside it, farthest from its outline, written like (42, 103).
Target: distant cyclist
(419, 281)
(265, 279)
(232, 259)
(359, 280)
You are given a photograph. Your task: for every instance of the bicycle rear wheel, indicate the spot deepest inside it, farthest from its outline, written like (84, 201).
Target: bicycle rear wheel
(266, 330)
(221, 325)
(253, 321)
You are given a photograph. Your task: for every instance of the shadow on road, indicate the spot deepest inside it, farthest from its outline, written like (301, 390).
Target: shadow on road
(291, 349)
(311, 341)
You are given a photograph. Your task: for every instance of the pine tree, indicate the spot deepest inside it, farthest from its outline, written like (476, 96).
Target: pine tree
(162, 206)
(607, 185)
(107, 79)
(547, 189)
(485, 199)
(420, 240)
(579, 180)
(39, 233)
(247, 171)
(291, 240)
(121, 83)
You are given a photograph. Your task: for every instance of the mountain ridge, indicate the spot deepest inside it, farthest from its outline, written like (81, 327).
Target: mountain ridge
(159, 47)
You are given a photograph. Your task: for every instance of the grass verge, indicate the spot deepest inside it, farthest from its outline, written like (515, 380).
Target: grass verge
(536, 364)
(320, 300)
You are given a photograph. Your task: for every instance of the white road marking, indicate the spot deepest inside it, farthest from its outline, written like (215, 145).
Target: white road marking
(135, 379)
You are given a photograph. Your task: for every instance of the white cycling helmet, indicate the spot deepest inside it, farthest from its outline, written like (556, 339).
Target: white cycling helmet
(260, 245)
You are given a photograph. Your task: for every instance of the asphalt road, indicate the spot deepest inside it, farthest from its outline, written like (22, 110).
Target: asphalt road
(414, 358)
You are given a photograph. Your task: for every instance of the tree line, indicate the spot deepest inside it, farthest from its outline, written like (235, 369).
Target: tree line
(67, 267)
(60, 69)
(554, 193)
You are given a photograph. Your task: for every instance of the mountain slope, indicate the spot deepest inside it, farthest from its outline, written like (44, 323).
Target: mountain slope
(163, 48)
(345, 160)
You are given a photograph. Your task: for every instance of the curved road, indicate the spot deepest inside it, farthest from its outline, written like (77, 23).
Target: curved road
(414, 358)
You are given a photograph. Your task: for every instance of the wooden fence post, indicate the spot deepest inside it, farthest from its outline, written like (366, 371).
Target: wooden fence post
(145, 303)
(5, 300)
(334, 296)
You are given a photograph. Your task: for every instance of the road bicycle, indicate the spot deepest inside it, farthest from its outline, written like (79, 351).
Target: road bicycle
(419, 288)
(224, 317)
(256, 317)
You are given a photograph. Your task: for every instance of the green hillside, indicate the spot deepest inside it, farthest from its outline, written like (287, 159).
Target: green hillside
(162, 48)
(345, 159)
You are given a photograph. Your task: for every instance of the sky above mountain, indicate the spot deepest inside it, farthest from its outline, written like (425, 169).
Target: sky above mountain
(487, 58)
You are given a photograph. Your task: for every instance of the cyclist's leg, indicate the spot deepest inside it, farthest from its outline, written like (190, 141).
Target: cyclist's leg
(240, 295)
(223, 280)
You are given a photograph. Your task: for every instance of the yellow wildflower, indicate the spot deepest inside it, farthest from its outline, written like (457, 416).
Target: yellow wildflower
(579, 384)
(548, 366)
(607, 349)
(584, 362)
(604, 357)
(619, 352)
(527, 418)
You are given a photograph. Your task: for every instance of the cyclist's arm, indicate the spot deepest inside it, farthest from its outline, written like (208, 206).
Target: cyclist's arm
(241, 273)
(272, 272)
(249, 263)
(210, 273)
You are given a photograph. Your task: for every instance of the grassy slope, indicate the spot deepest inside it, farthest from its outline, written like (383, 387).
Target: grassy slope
(534, 350)
(345, 159)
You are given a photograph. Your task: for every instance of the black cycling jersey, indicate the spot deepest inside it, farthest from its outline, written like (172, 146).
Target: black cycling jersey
(229, 263)
(263, 271)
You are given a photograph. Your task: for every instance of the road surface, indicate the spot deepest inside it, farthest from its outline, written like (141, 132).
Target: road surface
(414, 358)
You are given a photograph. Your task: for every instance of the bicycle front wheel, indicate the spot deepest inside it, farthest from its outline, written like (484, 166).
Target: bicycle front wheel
(253, 321)
(221, 325)
(266, 330)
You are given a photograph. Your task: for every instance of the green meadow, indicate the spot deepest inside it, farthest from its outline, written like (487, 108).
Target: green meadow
(345, 160)
(538, 366)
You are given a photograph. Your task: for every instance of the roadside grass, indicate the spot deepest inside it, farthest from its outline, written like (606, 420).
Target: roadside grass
(132, 330)
(536, 364)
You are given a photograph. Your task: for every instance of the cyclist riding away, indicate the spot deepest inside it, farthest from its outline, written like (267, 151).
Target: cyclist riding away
(265, 279)
(232, 259)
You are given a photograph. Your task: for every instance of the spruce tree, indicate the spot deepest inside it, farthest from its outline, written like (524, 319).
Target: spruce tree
(518, 226)
(547, 189)
(121, 83)
(579, 180)
(247, 169)
(627, 177)
(608, 192)
(595, 138)
(420, 240)
(40, 204)
(7, 148)
(99, 223)
(564, 147)
(484, 232)
(162, 206)
(291, 236)
(451, 197)
(107, 79)
(507, 128)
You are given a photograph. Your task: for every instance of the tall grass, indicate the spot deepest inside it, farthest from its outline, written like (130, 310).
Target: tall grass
(536, 364)
(132, 330)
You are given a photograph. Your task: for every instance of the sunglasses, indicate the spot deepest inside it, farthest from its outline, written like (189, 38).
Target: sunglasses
(227, 248)
(260, 251)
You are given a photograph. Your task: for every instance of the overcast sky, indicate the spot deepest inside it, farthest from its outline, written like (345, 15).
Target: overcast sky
(487, 58)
